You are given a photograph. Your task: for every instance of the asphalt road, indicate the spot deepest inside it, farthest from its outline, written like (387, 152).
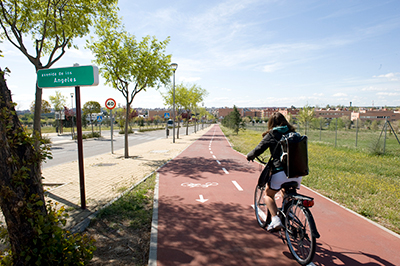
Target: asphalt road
(64, 149)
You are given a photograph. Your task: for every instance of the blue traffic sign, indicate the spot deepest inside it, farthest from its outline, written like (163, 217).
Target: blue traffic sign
(166, 115)
(99, 118)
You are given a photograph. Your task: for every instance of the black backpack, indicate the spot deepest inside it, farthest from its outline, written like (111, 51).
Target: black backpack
(294, 154)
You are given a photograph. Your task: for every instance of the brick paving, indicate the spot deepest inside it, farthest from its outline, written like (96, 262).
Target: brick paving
(107, 176)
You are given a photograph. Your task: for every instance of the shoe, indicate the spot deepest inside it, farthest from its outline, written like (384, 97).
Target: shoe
(275, 225)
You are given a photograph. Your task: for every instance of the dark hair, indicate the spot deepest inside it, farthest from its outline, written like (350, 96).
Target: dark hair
(275, 120)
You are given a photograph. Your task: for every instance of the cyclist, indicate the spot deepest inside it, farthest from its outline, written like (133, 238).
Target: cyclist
(276, 127)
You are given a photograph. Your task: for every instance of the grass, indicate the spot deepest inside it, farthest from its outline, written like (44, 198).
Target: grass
(366, 140)
(122, 230)
(133, 206)
(367, 183)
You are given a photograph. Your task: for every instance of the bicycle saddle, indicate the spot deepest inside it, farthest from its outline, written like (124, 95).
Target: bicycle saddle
(289, 185)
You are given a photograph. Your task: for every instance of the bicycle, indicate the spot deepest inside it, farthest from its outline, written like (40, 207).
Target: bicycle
(299, 227)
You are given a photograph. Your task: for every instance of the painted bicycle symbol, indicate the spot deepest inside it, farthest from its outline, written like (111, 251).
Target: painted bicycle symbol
(206, 185)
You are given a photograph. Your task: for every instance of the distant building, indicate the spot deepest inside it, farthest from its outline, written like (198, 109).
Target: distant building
(331, 114)
(379, 114)
(267, 112)
(160, 113)
(252, 112)
(222, 112)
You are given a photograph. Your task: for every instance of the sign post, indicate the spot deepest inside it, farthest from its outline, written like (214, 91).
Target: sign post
(110, 104)
(75, 76)
(99, 120)
(80, 146)
(166, 116)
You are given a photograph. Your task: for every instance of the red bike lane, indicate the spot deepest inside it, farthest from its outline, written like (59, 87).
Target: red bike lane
(205, 217)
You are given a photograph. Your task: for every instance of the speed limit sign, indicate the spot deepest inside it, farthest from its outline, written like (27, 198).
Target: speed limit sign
(110, 103)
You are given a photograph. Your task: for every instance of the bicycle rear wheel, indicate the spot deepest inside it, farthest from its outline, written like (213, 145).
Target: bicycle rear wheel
(298, 234)
(262, 214)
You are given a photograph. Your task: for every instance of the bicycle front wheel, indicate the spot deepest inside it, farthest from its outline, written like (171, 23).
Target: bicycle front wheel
(262, 214)
(298, 234)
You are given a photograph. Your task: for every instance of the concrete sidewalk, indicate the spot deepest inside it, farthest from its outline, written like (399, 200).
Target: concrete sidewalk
(107, 176)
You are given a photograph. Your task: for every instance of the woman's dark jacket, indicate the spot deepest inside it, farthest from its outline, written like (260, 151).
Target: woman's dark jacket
(270, 141)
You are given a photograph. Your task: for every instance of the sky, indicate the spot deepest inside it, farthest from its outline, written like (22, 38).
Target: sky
(253, 53)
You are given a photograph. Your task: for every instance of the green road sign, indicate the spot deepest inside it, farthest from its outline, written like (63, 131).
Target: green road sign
(68, 77)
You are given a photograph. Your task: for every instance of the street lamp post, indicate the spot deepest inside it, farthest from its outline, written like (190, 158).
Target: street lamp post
(174, 66)
(72, 110)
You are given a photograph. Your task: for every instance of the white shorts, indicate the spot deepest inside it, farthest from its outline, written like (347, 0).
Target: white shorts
(279, 178)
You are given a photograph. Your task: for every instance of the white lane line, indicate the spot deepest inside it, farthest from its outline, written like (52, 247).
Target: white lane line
(209, 149)
(214, 157)
(237, 186)
(226, 172)
(218, 162)
(211, 152)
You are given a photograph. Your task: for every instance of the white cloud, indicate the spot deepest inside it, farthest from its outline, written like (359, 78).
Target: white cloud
(339, 94)
(390, 76)
(272, 67)
(373, 89)
(388, 94)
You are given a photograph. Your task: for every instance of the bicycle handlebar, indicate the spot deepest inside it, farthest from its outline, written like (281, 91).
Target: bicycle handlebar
(260, 160)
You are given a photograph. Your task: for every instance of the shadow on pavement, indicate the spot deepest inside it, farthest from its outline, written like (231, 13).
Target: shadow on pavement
(327, 257)
(62, 200)
(214, 234)
(194, 167)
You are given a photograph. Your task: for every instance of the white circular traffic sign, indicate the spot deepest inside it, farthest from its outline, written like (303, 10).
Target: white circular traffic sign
(110, 103)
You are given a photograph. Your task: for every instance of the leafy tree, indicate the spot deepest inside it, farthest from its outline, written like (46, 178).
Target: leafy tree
(157, 119)
(121, 117)
(375, 125)
(234, 121)
(196, 95)
(336, 123)
(125, 61)
(89, 108)
(187, 98)
(247, 119)
(52, 25)
(346, 122)
(181, 102)
(319, 123)
(289, 118)
(58, 102)
(306, 116)
(46, 107)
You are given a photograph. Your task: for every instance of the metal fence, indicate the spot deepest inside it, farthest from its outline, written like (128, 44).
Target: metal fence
(382, 140)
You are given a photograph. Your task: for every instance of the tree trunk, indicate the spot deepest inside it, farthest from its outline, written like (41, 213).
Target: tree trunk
(179, 125)
(91, 122)
(21, 191)
(126, 129)
(38, 110)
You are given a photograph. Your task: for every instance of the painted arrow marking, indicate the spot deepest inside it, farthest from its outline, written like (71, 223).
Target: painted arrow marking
(202, 200)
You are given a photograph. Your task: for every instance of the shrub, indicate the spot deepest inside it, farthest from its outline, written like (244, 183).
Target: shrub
(122, 131)
(54, 245)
